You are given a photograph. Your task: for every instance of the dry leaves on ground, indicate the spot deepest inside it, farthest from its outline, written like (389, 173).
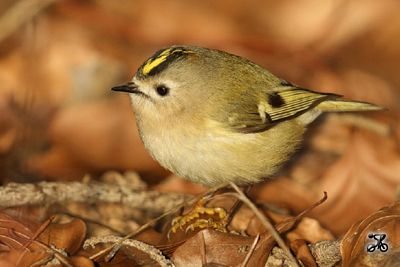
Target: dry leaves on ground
(64, 240)
(25, 243)
(374, 241)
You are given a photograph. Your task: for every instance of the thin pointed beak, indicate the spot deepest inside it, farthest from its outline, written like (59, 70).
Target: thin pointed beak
(128, 88)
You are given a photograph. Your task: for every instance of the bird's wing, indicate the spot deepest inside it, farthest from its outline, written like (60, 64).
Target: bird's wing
(277, 106)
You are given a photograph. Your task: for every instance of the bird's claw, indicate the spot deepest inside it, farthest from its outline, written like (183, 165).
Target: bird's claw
(194, 220)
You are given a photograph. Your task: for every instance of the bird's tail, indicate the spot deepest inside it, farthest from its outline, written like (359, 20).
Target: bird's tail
(341, 105)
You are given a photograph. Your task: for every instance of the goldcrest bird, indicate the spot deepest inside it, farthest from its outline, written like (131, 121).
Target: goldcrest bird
(214, 117)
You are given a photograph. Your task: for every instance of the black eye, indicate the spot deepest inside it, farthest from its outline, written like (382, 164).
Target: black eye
(162, 90)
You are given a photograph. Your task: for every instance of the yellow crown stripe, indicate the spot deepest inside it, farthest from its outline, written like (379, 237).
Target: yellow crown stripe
(152, 63)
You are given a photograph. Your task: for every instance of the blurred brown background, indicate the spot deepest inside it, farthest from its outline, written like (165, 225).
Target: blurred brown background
(60, 121)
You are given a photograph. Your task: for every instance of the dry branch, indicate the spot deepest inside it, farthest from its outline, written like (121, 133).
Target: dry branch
(46, 193)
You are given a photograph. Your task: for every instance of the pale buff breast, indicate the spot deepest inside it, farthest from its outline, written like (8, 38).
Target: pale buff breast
(212, 158)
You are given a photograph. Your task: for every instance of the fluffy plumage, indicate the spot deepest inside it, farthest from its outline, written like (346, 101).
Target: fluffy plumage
(223, 118)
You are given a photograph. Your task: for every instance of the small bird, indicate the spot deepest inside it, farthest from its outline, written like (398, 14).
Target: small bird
(213, 117)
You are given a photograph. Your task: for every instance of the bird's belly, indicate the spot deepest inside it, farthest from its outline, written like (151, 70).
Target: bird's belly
(214, 159)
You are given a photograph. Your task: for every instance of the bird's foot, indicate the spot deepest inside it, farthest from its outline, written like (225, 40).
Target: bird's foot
(201, 217)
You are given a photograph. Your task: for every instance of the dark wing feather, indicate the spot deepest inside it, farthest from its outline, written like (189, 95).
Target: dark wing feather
(278, 106)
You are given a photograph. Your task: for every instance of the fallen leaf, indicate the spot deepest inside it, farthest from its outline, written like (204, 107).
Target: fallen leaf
(214, 247)
(360, 237)
(27, 243)
(68, 236)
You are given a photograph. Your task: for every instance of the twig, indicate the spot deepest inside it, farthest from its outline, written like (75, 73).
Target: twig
(203, 250)
(112, 250)
(267, 224)
(115, 247)
(253, 246)
(40, 230)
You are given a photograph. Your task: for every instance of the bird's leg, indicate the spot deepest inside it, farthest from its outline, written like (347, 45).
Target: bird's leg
(237, 204)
